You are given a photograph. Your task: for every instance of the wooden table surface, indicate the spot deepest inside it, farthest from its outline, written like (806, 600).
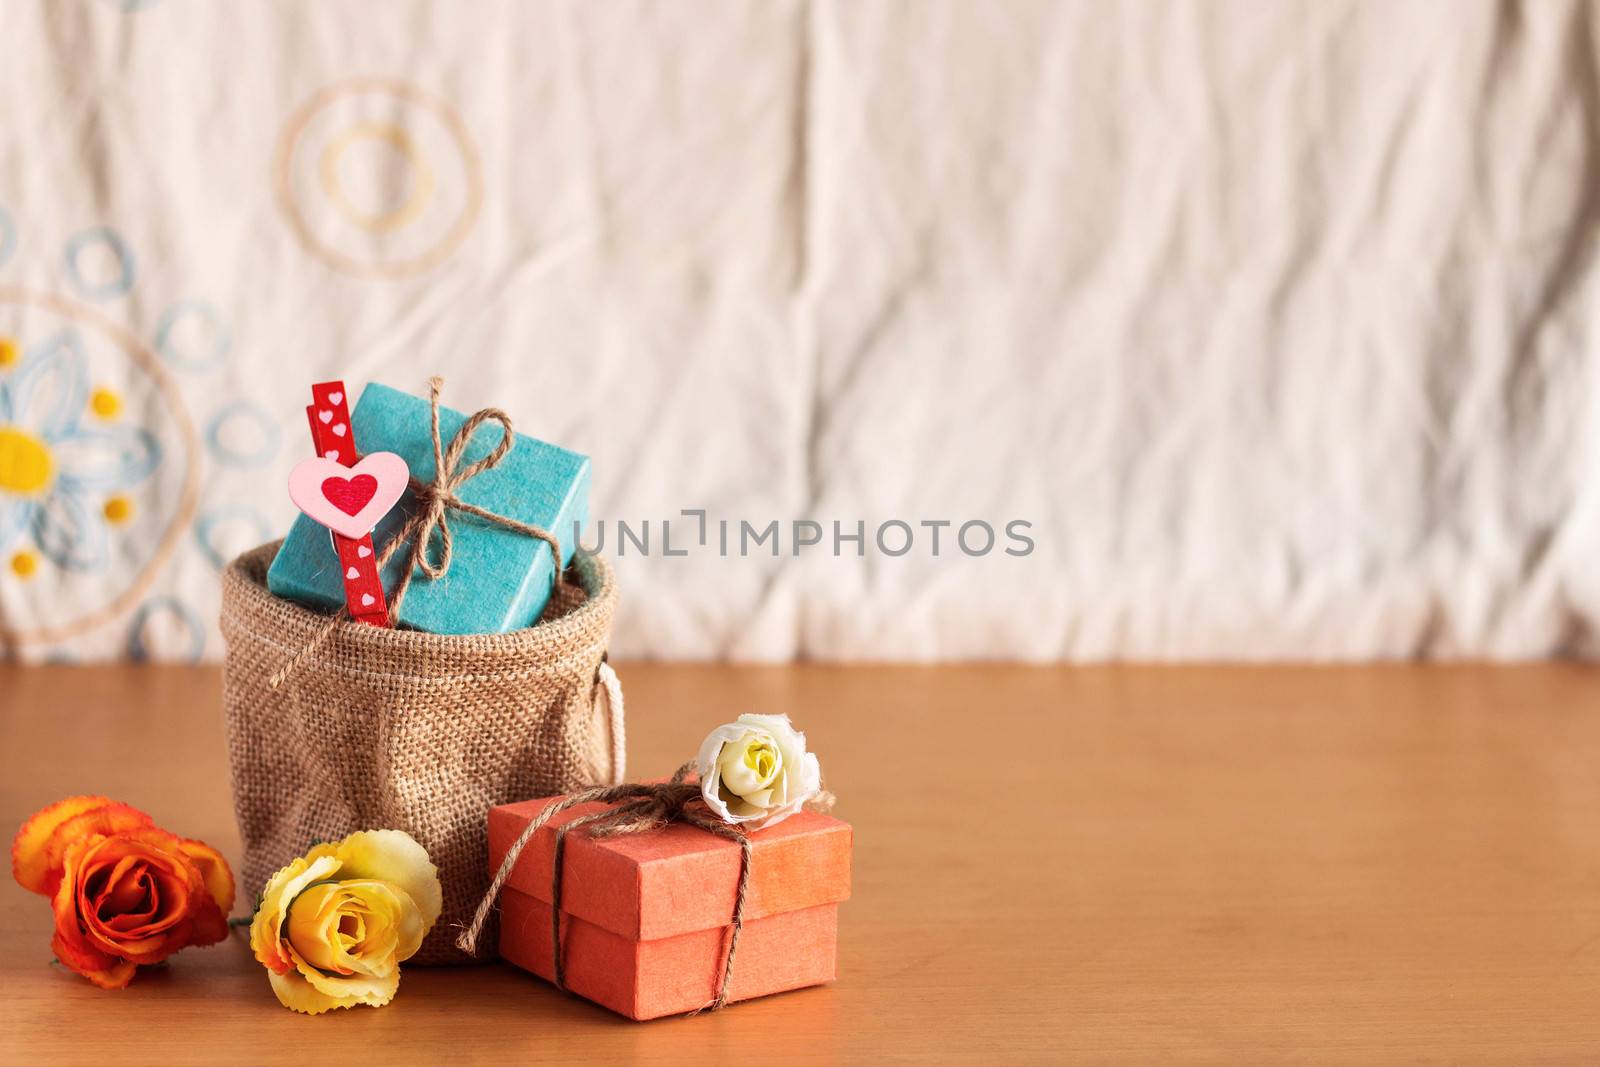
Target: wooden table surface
(1210, 865)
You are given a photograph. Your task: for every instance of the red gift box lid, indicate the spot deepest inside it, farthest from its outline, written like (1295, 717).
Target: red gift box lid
(677, 879)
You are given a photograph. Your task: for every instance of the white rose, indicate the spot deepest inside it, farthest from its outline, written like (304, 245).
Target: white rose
(756, 771)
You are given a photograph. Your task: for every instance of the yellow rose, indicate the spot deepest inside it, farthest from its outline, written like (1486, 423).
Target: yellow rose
(335, 925)
(756, 770)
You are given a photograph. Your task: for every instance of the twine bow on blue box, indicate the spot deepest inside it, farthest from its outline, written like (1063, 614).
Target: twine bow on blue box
(481, 557)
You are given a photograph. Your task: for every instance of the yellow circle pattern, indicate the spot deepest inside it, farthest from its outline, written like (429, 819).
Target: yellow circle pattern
(422, 180)
(432, 180)
(105, 403)
(26, 466)
(117, 509)
(24, 564)
(10, 352)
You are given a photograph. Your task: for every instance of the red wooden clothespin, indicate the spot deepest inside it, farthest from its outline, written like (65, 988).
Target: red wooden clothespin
(333, 438)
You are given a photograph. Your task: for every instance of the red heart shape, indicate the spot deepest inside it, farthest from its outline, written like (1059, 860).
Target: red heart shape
(350, 495)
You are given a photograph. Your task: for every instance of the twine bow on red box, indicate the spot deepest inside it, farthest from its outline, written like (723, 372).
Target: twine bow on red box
(639, 809)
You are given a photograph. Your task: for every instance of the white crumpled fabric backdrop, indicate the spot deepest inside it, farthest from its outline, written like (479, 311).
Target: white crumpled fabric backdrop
(1277, 322)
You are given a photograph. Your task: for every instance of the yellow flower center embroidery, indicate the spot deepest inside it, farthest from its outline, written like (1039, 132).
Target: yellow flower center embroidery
(105, 403)
(9, 352)
(117, 509)
(25, 463)
(24, 563)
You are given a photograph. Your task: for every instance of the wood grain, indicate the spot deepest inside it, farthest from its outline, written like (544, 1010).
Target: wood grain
(1119, 865)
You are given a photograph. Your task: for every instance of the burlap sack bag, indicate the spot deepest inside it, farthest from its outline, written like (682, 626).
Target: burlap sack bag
(396, 729)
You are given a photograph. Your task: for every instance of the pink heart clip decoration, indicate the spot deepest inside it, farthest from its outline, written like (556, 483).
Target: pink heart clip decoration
(349, 500)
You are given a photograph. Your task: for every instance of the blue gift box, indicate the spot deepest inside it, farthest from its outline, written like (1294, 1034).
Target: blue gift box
(499, 580)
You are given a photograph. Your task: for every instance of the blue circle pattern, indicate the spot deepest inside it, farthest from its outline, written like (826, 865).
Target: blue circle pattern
(228, 454)
(8, 237)
(205, 527)
(139, 651)
(118, 286)
(200, 363)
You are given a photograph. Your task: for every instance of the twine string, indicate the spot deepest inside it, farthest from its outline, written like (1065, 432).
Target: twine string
(638, 809)
(292, 664)
(430, 521)
(435, 500)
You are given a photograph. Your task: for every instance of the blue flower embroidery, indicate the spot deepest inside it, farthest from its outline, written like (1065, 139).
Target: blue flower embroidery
(53, 466)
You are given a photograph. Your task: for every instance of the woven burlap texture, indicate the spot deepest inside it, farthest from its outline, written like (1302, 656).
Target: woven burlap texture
(396, 729)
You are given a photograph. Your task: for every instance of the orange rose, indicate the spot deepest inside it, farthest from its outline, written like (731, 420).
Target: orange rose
(124, 891)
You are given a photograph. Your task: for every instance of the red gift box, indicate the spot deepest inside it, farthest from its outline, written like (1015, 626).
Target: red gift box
(645, 917)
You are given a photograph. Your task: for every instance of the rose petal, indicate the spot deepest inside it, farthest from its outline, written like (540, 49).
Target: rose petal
(314, 918)
(128, 892)
(706, 766)
(388, 911)
(388, 927)
(214, 870)
(753, 803)
(376, 990)
(174, 881)
(735, 764)
(711, 748)
(395, 857)
(28, 864)
(116, 976)
(107, 972)
(732, 810)
(777, 725)
(100, 822)
(791, 743)
(70, 945)
(208, 921)
(398, 924)
(325, 848)
(802, 777)
(266, 930)
(808, 783)
(799, 779)
(128, 875)
(297, 994)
